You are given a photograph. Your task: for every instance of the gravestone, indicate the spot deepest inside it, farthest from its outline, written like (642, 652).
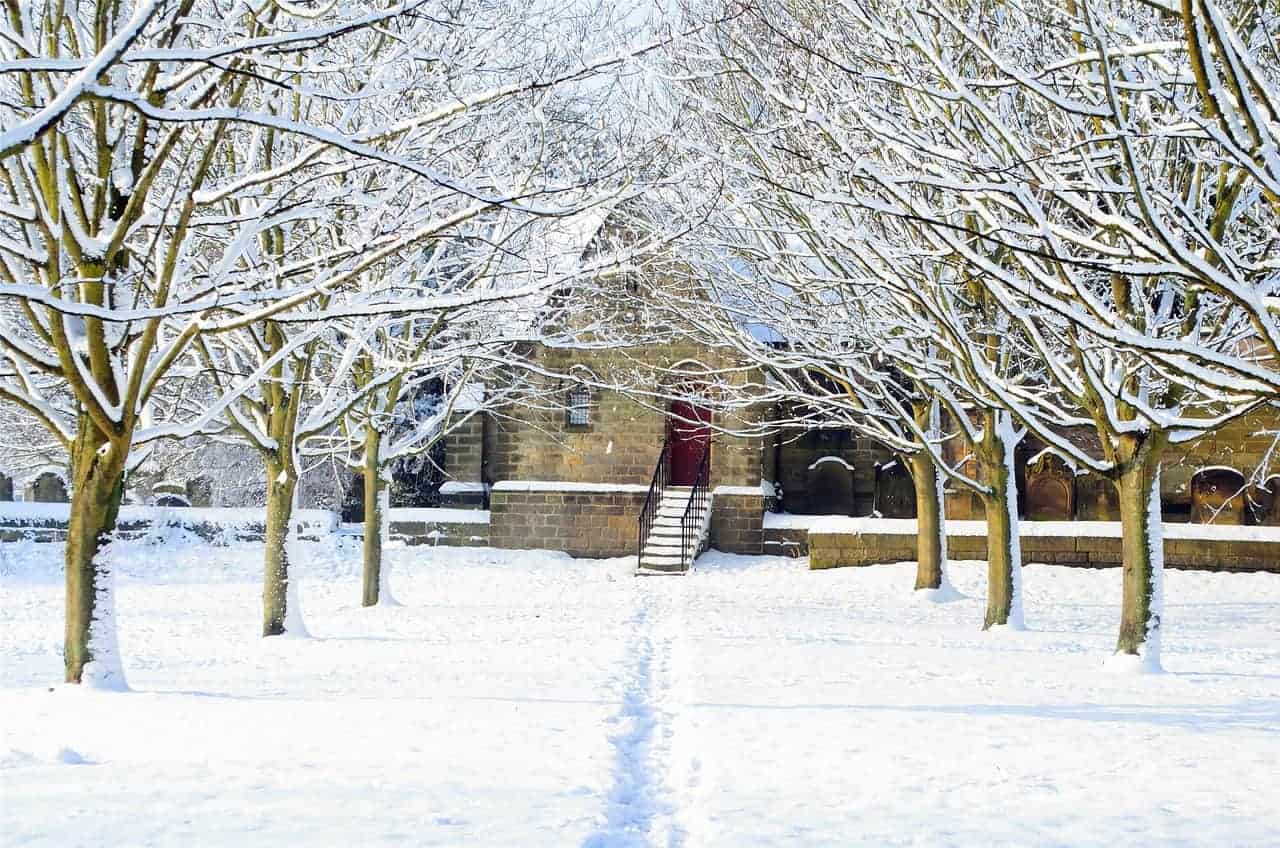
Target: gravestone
(6, 487)
(1175, 491)
(830, 487)
(199, 491)
(352, 509)
(1051, 489)
(170, 494)
(895, 493)
(1267, 502)
(1096, 499)
(1217, 496)
(47, 488)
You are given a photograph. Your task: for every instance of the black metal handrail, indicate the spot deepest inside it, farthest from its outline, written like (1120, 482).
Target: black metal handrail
(648, 513)
(691, 521)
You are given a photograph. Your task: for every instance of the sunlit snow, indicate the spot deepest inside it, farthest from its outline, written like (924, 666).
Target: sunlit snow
(530, 699)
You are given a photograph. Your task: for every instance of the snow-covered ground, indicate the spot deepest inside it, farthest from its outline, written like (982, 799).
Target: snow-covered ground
(530, 699)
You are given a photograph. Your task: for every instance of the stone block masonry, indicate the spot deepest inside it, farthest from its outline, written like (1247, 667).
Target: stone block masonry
(583, 520)
(601, 520)
(859, 542)
(737, 520)
(452, 528)
(463, 464)
(786, 541)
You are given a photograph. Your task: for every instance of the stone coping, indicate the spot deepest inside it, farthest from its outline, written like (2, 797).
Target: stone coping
(438, 515)
(842, 525)
(561, 486)
(31, 513)
(1089, 544)
(459, 487)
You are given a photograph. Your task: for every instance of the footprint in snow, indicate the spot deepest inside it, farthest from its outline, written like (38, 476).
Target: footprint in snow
(70, 756)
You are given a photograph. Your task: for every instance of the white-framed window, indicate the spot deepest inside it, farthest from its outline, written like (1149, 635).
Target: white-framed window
(578, 407)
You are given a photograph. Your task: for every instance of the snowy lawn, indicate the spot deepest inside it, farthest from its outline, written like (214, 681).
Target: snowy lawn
(530, 699)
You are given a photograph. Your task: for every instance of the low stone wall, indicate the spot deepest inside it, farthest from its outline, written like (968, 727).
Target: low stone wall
(47, 522)
(443, 531)
(434, 526)
(583, 520)
(787, 534)
(786, 541)
(457, 495)
(860, 542)
(737, 520)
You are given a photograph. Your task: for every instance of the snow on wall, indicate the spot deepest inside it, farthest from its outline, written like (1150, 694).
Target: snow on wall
(826, 459)
(788, 521)
(560, 486)
(470, 398)
(438, 515)
(19, 513)
(835, 524)
(457, 487)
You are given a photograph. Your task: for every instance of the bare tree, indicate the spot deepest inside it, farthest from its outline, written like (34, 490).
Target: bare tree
(1113, 218)
(174, 181)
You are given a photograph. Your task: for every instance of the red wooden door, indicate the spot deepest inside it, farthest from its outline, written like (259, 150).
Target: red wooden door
(690, 437)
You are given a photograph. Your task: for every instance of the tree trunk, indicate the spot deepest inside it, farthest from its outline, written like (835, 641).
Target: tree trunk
(373, 518)
(97, 464)
(282, 482)
(931, 540)
(1142, 548)
(1004, 549)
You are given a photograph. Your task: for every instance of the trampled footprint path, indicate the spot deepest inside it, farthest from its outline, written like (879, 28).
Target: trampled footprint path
(646, 805)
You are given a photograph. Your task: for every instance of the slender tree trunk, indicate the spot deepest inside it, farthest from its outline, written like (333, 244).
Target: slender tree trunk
(1004, 549)
(97, 464)
(1142, 547)
(373, 517)
(931, 540)
(282, 482)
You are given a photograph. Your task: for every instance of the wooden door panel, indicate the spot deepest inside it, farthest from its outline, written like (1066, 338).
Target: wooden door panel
(688, 441)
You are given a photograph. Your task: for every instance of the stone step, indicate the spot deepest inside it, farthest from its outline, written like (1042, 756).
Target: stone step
(675, 528)
(655, 570)
(661, 561)
(664, 550)
(661, 551)
(677, 512)
(677, 523)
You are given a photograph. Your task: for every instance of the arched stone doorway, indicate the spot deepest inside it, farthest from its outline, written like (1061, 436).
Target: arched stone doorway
(689, 428)
(895, 492)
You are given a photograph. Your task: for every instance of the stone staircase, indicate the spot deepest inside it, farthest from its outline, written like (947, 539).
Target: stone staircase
(663, 551)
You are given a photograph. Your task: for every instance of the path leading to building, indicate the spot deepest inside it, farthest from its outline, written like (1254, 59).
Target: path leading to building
(649, 796)
(529, 699)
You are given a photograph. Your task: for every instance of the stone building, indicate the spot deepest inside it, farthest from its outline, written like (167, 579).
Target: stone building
(574, 471)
